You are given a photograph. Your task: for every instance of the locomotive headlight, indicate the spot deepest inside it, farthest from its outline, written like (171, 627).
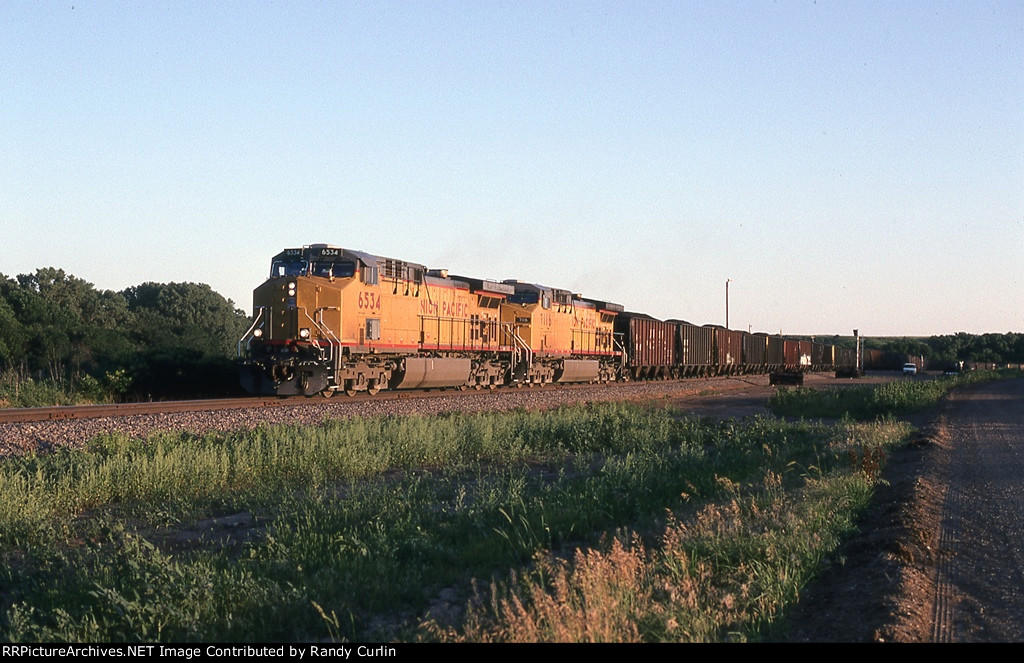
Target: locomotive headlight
(291, 289)
(304, 332)
(257, 333)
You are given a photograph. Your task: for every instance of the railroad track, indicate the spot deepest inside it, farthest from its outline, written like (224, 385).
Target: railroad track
(67, 412)
(60, 412)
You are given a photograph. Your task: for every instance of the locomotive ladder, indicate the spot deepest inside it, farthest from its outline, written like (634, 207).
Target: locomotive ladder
(619, 341)
(325, 331)
(522, 352)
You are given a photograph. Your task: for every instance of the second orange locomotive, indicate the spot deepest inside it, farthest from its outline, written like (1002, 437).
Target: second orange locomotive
(330, 319)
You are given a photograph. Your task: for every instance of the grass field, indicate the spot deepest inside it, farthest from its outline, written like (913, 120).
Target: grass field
(899, 397)
(607, 522)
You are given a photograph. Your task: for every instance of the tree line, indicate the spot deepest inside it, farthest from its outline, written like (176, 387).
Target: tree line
(950, 348)
(154, 340)
(61, 336)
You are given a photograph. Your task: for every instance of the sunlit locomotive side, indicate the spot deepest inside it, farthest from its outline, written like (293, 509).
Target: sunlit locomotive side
(559, 337)
(330, 319)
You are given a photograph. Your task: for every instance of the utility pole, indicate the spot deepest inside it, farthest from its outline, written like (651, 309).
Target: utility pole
(858, 360)
(727, 303)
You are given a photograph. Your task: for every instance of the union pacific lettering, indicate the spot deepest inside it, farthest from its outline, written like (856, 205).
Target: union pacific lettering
(444, 309)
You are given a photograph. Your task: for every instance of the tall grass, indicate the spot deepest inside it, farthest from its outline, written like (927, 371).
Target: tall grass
(369, 520)
(870, 401)
(724, 572)
(181, 472)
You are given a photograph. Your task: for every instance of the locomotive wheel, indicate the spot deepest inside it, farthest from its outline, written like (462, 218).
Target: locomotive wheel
(326, 393)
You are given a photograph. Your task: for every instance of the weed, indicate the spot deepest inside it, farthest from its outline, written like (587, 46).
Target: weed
(613, 518)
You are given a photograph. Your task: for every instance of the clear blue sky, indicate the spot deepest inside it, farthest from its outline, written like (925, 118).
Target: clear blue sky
(853, 164)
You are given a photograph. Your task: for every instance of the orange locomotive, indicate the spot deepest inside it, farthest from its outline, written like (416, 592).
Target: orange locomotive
(330, 319)
(561, 338)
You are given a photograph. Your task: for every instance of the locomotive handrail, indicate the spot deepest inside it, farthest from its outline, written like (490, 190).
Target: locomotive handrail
(622, 348)
(324, 330)
(461, 340)
(248, 334)
(522, 347)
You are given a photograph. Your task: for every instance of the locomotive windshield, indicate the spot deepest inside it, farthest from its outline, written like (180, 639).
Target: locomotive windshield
(330, 269)
(523, 298)
(289, 267)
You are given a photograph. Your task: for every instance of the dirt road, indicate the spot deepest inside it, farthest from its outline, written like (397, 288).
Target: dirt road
(980, 575)
(940, 554)
(939, 557)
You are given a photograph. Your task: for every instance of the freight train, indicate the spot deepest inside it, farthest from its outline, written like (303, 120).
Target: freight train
(330, 319)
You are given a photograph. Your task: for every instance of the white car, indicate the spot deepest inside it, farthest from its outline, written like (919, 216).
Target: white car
(909, 369)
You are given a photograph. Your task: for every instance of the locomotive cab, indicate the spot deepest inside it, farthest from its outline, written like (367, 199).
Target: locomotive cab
(296, 342)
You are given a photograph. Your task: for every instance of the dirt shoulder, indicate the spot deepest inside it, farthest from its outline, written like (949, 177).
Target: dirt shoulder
(939, 557)
(880, 586)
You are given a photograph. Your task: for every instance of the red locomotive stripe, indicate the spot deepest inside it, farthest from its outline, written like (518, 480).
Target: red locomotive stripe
(449, 348)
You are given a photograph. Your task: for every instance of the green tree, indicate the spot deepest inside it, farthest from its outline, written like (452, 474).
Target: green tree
(13, 337)
(188, 336)
(71, 327)
(153, 339)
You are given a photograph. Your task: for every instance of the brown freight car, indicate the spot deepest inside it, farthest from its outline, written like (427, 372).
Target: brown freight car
(650, 345)
(728, 350)
(755, 352)
(695, 348)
